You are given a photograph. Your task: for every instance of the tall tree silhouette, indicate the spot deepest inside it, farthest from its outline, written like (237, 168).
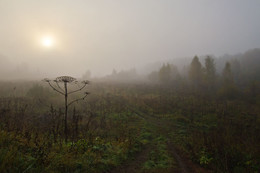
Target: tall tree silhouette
(227, 74)
(195, 71)
(228, 89)
(165, 73)
(210, 72)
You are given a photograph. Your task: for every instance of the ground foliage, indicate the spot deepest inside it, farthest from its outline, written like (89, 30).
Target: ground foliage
(217, 129)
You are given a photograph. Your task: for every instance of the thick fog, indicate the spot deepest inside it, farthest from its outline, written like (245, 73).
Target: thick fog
(101, 35)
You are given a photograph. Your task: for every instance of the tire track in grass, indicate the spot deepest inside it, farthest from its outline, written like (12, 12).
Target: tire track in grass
(161, 127)
(182, 167)
(135, 164)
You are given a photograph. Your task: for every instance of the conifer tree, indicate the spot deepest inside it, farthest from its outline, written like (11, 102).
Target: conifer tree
(195, 71)
(165, 73)
(227, 74)
(210, 71)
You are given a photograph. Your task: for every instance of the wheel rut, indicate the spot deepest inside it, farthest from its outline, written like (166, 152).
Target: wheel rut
(182, 163)
(135, 164)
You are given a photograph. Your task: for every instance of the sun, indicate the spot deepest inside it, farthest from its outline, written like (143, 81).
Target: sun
(47, 41)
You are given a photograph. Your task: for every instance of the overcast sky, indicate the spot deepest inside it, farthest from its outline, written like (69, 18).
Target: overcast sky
(104, 34)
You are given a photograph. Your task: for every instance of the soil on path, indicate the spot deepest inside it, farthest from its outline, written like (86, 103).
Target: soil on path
(184, 165)
(134, 165)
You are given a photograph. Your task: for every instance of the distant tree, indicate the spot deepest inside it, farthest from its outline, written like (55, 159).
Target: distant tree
(228, 89)
(250, 65)
(210, 71)
(165, 73)
(236, 69)
(175, 75)
(195, 71)
(227, 75)
(153, 76)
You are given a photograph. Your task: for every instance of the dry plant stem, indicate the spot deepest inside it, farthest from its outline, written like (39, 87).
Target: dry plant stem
(66, 80)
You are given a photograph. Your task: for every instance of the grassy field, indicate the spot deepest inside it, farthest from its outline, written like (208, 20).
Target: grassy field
(127, 128)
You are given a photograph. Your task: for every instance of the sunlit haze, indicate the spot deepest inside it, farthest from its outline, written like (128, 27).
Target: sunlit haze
(130, 86)
(104, 35)
(47, 41)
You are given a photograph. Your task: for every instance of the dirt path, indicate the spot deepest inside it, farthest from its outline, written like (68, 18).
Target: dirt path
(134, 165)
(161, 127)
(185, 165)
(182, 168)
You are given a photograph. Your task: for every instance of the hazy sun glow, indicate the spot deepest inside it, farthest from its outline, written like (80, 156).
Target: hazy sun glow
(47, 41)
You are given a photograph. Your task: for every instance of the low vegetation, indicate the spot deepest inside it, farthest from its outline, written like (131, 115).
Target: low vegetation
(211, 119)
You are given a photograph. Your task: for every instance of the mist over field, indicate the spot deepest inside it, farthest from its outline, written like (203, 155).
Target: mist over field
(130, 86)
(104, 35)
